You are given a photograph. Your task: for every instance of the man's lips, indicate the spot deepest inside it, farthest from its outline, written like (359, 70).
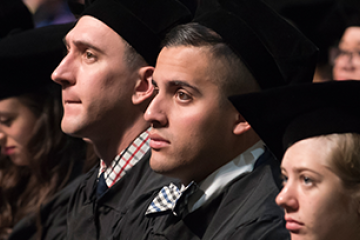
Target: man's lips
(157, 141)
(293, 225)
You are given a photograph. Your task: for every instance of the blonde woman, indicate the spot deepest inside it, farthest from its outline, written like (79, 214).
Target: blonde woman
(314, 129)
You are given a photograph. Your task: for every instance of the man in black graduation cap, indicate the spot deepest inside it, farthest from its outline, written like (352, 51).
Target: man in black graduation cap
(105, 79)
(229, 180)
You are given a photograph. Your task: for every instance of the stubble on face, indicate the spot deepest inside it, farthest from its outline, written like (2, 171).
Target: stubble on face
(188, 114)
(100, 83)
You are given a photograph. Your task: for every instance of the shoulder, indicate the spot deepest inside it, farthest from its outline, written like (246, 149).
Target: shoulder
(256, 192)
(248, 207)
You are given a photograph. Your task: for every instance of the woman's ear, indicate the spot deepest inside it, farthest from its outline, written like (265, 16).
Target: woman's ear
(143, 87)
(241, 125)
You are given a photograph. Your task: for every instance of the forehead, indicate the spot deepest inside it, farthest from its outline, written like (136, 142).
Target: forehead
(9, 105)
(312, 153)
(93, 32)
(351, 36)
(183, 63)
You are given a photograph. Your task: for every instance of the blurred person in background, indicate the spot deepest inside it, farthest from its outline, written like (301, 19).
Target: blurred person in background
(347, 60)
(323, 22)
(37, 158)
(49, 12)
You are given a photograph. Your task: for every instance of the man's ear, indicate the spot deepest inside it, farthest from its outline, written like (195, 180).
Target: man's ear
(241, 125)
(143, 88)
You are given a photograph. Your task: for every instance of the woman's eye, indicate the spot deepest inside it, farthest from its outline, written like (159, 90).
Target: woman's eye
(6, 121)
(307, 180)
(284, 179)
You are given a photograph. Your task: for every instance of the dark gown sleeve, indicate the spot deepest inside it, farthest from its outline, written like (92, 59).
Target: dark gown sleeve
(265, 228)
(94, 218)
(53, 218)
(53, 214)
(248, 209)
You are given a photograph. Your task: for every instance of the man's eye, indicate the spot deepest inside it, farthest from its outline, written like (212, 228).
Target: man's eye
(89, 55)
(183, 96)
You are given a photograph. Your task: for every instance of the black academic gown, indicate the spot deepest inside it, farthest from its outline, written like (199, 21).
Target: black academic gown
(91, 218)
(53, 213)
(53, 217)
(245, 210)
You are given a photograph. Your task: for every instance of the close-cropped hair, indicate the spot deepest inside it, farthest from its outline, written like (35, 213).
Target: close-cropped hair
(132, 58)
(344, 155)
(228, 69)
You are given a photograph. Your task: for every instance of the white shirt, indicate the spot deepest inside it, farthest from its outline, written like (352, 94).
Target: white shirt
(214, 184)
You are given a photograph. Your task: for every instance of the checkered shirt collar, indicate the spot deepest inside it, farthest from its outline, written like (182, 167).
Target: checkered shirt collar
(126, 159)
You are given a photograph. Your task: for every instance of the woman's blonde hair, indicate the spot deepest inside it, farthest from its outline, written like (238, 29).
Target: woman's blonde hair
(345, 157)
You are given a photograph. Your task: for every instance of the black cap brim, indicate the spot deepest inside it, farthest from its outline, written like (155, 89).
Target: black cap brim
(285, 115)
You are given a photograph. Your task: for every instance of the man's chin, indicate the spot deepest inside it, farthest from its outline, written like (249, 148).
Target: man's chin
(157, 165)
(71, 129)
(161, 166)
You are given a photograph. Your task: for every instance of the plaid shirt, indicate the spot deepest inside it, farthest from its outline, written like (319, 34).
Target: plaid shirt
(126, 159)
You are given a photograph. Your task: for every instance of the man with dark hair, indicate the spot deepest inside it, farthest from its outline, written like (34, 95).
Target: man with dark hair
(105, 79)
(228, 179)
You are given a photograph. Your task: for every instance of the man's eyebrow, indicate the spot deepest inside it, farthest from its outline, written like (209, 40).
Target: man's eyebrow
(177, 83)
(182, 84)
(80, 43)
(87, 44)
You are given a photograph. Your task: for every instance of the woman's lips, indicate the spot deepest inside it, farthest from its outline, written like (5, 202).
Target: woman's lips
(72, 102)
(9, 150)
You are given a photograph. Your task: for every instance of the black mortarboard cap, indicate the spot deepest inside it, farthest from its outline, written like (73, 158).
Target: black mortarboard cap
(14, 16)
(274, 51)
(76, 7)
(285, 115)
(322, 21)
(142, 23)
(27, 59)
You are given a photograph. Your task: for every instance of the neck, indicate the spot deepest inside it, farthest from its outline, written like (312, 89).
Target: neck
(114, 142)
(220, 158)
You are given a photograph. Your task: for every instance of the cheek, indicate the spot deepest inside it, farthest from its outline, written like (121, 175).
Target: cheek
(192, 124)
(24, 131)
(327, 210)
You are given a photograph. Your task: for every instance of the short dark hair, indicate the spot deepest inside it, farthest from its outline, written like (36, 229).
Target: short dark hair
(235, 77)
(132, 58)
